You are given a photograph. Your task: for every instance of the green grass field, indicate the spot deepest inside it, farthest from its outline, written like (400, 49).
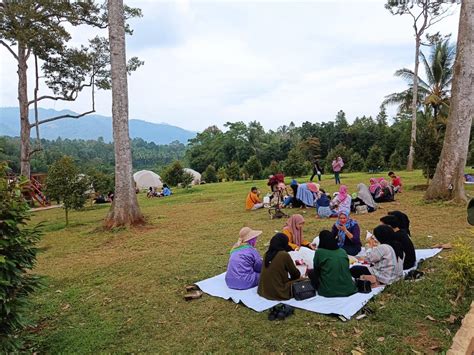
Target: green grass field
(122, 291)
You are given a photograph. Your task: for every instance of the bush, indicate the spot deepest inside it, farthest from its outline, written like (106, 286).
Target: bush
(233, 171)
(102, 183)
(253, 168)
(222, 174)
(210, 174)
(187, 179)
(65, 184)
(461, 268)
(17, 258)
(296, 164)
(356, 162)
(375, 160)
(395, 161)
(173, 174)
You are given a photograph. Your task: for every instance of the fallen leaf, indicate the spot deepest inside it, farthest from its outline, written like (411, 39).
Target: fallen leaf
(452, 302)
(356, 352)
(431, 318)
(357, 331)
(358, 348)
(440, 257)
(422, 305)
(430, 236)
(381, 339)
(334, 334)
(416, 352)
(359, 317)
(451, 319)
(59, 291)
(66, 307)
(434, 347)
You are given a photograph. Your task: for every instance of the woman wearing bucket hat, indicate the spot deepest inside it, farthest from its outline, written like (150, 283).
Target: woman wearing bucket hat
(245, 263)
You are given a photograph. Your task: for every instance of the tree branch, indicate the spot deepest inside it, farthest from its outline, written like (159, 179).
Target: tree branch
(39, 149)
(56, 98)
(60, 117)
(9, 49)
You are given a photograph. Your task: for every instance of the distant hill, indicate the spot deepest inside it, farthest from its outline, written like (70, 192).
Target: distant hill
(90, 127)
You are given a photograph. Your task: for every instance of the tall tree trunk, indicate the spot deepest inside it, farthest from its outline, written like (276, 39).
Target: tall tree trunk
(414, 106)
(448, 181)
(24, 119)
(124, 209)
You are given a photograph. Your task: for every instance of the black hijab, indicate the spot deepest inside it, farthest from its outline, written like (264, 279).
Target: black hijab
(403, 219)
(327, 241)
(386, 235)
(391, 221)
(279, 242)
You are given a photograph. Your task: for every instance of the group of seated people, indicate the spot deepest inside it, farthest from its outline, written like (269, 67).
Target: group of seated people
(312, 195)
(153, 192)
(101, 198)
(389, 251)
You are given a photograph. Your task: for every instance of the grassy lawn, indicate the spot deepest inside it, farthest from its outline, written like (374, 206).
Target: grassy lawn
(122, 291)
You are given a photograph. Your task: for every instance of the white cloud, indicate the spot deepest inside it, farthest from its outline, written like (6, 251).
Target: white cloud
(272, 61)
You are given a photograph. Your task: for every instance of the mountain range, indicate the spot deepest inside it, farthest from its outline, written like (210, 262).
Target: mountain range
(90, 127)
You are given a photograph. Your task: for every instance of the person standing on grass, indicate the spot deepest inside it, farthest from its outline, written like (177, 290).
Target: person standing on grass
(316, 170)
(337, 165)
(253, 201)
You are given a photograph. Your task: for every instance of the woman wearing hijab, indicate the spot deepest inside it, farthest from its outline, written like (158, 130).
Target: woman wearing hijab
(293, 229)
(404, 221)
(307, 193)
(337, 165)
(347, 233)
(274, 281)
(245, 263)
(402, 237)
(331, 275)
(293, 200)
(386, 259)
(342, 202)
(364, 197)
(374, 186)
(323, 209)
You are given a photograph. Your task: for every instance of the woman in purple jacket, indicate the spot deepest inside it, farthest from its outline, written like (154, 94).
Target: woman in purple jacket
(245, 263)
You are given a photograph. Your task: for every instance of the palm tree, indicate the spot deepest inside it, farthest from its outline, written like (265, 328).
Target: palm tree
(434, 92)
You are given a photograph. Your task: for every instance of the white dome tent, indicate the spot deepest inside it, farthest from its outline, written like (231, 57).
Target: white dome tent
(195, 174)
(146, 178)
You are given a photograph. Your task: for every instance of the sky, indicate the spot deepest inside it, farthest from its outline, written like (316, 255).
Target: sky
(212, 62)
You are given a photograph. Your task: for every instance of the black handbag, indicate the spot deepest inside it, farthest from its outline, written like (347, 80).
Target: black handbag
(303, 290)
(363, 286)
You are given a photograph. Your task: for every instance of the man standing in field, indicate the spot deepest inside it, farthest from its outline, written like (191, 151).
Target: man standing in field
(253, 201)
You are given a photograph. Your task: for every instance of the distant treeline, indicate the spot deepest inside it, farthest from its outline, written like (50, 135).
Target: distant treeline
(248, 150)
(91, 154)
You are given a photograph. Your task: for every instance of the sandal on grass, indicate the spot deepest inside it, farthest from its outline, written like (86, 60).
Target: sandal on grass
(191, 288)
(193, 295)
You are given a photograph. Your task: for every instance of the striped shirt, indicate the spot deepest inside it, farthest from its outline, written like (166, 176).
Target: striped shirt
(386, 267)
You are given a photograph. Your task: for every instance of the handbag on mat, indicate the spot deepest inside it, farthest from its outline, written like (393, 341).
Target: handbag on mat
(363, 286)
(303, 290)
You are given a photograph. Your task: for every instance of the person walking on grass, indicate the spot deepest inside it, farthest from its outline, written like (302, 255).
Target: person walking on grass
(316, 170)
(337, 165)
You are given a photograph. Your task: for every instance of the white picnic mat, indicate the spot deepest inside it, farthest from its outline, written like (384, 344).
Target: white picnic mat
(345, 306)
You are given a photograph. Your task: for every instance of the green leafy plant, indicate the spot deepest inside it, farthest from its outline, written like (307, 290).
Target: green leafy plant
(210, 174)
(173, 174)
(187, 179)
(461, 268)
(65, 184)
(17, 257)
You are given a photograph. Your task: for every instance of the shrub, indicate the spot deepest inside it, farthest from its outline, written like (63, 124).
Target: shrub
(222, 174)
(375, 160)
(356, 162)
(233, 171)
(395, 162)
(186, 179)
(65, 184)
(173, 174)
(253, 167)
(461, 268)
(296, 164)
(210, 174)
(17, 257)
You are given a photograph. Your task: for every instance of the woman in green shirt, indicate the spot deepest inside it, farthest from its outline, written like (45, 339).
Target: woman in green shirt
(331, 275)
(275, 284)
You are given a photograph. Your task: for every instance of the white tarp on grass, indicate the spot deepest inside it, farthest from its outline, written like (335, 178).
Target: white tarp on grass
(345, 306)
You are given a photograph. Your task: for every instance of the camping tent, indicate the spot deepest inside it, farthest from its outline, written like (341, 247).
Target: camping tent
(146, 178)
(195, 174)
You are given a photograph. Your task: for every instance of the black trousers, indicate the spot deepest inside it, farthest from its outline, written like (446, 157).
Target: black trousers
(358, 270)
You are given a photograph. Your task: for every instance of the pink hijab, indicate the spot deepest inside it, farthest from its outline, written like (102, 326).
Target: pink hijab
(312, 186)
(374, 184)
(295, 232)
(342, 193)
